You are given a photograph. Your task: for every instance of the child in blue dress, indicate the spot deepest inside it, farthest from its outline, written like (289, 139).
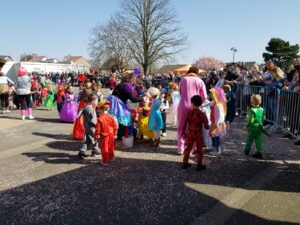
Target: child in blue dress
(155, 118)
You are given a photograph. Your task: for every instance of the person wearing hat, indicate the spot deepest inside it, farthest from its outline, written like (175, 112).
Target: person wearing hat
(24, 92)
(4, 92)
(106, 129)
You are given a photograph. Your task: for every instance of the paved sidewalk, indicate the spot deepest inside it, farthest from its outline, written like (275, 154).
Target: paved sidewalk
(43, 182)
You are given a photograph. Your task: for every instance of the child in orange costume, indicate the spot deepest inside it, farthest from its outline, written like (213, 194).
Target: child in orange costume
(106, 129)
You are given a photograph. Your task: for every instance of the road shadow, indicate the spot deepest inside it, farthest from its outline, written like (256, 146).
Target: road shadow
(48, 120)
(56, 158)
(135, 191)
(53, 136)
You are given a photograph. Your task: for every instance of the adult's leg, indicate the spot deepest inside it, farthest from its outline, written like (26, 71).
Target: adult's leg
(164, 117)
(121, 131)
(180, 139)
(28, 100)
(2, 101)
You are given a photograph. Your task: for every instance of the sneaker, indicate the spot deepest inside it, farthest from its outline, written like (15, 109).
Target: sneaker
(8, 111)
(164, 134)
(31, 117)
(297, 143)
(201, 167)
(82, 155)
(96, 154)
(219, 150)
(23, 118)
(186, 166)
(257, 156)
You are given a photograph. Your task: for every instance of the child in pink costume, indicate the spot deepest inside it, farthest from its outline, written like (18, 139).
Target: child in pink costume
(190, 85)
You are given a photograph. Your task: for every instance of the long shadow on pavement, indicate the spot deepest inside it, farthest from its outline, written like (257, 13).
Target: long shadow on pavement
(135, 191)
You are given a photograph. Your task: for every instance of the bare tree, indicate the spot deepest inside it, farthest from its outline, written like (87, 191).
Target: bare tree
(144, 30)
(108, 45)
(151, 31)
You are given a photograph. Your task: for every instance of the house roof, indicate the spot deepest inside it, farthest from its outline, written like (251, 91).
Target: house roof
(169, 68)
(6, 57)
(34, 58)
(72, 59)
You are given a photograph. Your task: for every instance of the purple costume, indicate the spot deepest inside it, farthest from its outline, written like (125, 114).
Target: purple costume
(68, 112)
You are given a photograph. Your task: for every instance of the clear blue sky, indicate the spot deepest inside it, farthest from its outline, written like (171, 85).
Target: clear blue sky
(60, 27)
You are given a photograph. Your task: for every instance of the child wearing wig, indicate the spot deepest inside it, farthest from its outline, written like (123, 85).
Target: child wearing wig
(155, 119)
(217, 117)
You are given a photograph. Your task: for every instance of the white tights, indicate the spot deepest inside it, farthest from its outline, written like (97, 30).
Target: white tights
(157, 134)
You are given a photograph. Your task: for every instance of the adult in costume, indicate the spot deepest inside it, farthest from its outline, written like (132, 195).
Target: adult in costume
(118, 99)
(189, 86)
(24, 92)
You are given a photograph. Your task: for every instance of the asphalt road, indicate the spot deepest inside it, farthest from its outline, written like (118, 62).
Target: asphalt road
(43, 182)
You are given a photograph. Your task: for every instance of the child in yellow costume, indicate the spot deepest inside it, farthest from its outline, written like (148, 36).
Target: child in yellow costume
(143, 117)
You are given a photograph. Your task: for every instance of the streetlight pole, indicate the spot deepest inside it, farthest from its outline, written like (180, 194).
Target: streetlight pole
(234, 50)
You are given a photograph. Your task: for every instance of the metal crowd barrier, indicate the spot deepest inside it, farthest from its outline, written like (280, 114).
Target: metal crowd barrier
(282, 107)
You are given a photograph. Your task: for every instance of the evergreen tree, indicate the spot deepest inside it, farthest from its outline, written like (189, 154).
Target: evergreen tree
(281, 52)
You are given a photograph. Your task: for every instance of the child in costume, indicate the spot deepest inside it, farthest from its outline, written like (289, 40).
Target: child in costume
(44, 91)
(78, 129)
(99, 93)
(69, 110)
(90, 121)
(255, 127)
(143, 119)
(132, 128)
(217, 117)
(175, 97)
(49, 102)
(59, 97)
(230, 94)
(192, 131)
(155, 119)
(106, 129)
(163, 110)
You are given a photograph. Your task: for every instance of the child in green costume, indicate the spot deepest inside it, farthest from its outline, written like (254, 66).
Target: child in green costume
(255, 127)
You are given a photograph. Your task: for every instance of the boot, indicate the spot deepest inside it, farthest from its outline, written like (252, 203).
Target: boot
(22, 114)
(29, 112)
